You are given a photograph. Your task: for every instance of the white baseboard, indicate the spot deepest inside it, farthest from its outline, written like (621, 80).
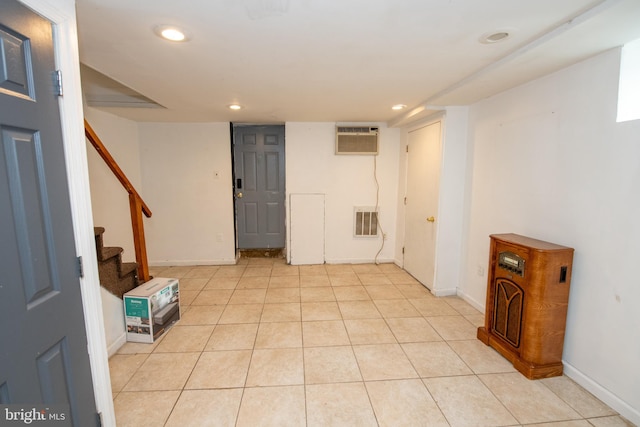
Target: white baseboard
(191, 262)
(475, 304)
(614, 402)
(444, 292)
(115, 346)
(359, 261)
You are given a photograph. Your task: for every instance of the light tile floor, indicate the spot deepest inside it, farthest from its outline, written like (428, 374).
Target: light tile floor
(263, 343)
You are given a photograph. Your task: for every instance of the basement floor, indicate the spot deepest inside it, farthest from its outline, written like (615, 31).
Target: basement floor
(263, 343)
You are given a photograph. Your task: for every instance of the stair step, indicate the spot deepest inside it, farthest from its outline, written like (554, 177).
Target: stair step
(115, 276)
(109, 252)
(128, 267)
(98, 232)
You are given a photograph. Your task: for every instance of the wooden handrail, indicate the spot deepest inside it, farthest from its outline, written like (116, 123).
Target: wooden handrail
(137, 206)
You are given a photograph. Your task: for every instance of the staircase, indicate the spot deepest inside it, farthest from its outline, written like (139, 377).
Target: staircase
(115, 276)
(137, 208)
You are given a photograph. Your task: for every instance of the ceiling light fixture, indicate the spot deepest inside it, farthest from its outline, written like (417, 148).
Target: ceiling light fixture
(495, 36)
(235, 107)
(171, 33)
(398, 107)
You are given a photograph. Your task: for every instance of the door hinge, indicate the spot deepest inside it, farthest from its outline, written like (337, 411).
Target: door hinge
(80, 267)
(407, 148)
(403, 250)
(405, 200)
(57, 83)
(99, 419)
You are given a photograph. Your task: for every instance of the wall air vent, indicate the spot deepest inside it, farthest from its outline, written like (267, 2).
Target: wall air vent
(365, 221)
(357, 140)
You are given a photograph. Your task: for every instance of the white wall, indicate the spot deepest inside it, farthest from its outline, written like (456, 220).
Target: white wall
(549, 161)
(192, 220)
(451, 201)
(113, 317)
(110, 201)
(346, 181)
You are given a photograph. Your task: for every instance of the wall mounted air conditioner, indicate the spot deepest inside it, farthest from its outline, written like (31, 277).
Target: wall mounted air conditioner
(357, 140)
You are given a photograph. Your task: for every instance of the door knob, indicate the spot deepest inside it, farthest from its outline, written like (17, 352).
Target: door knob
(239, 195)
(431, 219)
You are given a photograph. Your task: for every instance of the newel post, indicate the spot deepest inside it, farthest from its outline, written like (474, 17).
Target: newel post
(135, 205)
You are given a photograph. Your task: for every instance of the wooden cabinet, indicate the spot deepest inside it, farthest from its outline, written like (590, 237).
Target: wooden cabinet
(527, 299)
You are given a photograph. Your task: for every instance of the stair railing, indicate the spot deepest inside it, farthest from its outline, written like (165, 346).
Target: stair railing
(137, 206)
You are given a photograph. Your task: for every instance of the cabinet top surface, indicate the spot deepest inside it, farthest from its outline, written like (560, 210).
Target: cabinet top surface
(528, 241)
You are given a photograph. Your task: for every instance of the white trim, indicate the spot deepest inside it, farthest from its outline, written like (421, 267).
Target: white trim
(116, 344)
(360, 261)
(584, 381)
(62, 14)
(613, 401)
(191, 262)
(444, 292)
(475, 304)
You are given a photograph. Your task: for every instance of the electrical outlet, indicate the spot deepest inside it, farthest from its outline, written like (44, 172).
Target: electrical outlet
(480, 270)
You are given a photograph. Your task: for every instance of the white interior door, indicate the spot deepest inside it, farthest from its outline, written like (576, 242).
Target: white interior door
(421, 222)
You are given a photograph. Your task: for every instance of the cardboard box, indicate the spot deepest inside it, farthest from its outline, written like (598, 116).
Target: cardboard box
(151, 309)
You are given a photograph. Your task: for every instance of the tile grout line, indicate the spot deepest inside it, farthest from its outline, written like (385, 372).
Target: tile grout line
(341, 314)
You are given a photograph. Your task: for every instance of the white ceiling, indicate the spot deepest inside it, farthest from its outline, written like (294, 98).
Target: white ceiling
(332, 60)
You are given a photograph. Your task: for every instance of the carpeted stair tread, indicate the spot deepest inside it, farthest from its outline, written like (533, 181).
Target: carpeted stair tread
(128, 268)
(112, 280)
(98, 232)
(115, 276)
(109, 252)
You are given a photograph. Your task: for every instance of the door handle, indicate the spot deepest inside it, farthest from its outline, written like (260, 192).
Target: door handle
(239, 195)
(431, 219)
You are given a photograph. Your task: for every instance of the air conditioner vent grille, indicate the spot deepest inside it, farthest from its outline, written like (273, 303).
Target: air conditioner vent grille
(356, 140)
(356, 129)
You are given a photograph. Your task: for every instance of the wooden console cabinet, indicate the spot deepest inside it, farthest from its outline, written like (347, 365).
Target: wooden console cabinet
(527, 299)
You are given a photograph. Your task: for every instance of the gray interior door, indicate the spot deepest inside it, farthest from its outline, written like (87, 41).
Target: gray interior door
(258, 153)
(43, 343)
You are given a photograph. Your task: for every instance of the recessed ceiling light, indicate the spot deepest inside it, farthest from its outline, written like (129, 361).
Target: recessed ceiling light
(235, 107)
(171, 33)
(399, 107)
(495, 36)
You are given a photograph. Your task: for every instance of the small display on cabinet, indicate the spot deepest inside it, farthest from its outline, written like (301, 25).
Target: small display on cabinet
(527, 300)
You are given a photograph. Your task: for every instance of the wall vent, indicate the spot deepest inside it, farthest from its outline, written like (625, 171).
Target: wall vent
(365, 222)
(357, 140)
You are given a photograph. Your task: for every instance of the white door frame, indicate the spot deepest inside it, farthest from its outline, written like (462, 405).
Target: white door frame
(62, 14)
(452, 196)
(439, 117)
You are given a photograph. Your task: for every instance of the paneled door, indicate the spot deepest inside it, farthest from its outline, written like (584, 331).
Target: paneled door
(43, 341)
(258, 154)
(423, 183)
